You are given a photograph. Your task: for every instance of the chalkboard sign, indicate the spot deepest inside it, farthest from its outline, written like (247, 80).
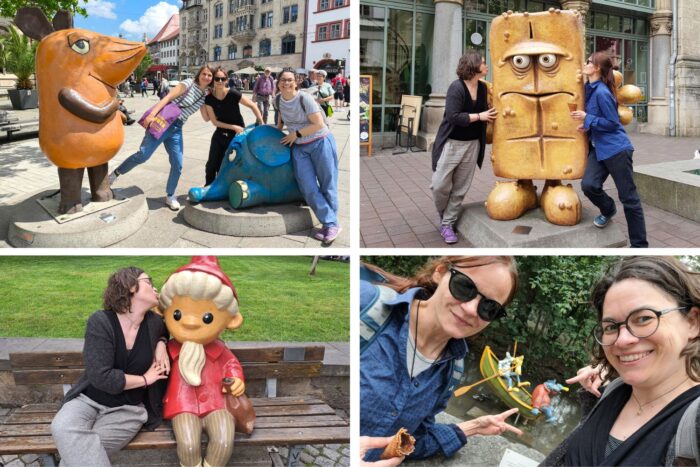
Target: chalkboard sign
(366, 112)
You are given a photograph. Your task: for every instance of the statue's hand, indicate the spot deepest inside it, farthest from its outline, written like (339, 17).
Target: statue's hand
(236, 388)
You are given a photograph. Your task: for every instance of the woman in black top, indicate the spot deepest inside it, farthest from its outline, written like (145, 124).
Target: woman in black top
(460, 141)
(126, 363)
(222, 108)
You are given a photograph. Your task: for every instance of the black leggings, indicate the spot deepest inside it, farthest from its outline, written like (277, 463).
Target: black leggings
(219, 143)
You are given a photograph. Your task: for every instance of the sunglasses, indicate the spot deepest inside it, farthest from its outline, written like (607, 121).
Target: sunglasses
(220, 79)
(464, 289)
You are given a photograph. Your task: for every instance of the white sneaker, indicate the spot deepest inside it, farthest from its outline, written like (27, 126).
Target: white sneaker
(172, 202)
(112, 177)
(697, 154)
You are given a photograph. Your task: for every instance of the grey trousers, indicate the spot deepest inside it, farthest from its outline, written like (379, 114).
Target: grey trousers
(86, 432)
(453, 176)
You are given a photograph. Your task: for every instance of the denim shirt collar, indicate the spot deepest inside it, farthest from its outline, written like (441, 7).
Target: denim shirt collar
(455, 349)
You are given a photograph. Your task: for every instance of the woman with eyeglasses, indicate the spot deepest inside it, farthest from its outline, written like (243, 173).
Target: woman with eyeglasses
(223, 110)
(610, 152)
(314, 153)
(647, 344)
(126, 363)
(460, 141)
(413, 344)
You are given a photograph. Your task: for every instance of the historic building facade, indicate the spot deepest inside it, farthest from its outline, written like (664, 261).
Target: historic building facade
(165, 49)
(193, 36)
(413, 46)
(328, 37)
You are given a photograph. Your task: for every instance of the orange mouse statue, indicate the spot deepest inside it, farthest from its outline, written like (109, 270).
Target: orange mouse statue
(77, 72)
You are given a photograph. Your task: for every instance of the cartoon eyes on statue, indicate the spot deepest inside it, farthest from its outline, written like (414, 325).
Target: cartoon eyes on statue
(207, 318)
(521, 62)
(81, 46)
(547, 61)
(177, 315)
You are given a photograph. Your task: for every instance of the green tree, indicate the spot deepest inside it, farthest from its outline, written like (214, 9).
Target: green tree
(18, 55)
(404, 266)
(140, 71)
(8, 8)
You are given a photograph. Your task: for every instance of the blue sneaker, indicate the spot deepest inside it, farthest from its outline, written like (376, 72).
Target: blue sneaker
(601, 221)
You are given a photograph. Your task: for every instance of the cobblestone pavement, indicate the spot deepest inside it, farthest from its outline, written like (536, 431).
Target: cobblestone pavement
(25, 171)
(323, 455)
(397, 210)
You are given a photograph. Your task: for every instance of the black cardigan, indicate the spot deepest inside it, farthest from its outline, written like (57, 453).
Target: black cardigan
(455, 103)
(99, 352)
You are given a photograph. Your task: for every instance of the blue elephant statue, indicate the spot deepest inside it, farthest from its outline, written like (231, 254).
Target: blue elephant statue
(257, 169)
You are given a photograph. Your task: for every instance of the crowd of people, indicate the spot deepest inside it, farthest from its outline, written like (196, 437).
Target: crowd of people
(301, 103)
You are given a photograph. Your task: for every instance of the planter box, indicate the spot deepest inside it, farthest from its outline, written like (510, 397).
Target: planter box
(24, 98)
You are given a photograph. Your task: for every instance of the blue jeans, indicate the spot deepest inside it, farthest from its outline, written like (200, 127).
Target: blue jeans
(172, 140)
(316, 171)
(619, 167)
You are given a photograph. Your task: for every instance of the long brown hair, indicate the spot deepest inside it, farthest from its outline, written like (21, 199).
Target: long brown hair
(667, 274)
(117, 295)
(199, 72)
(424, 276)
(603, 61)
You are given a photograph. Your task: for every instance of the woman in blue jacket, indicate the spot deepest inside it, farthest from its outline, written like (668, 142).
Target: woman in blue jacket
(610, 151)
(413, 345)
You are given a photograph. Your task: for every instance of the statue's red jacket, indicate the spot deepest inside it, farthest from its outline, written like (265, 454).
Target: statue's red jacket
(207, 397)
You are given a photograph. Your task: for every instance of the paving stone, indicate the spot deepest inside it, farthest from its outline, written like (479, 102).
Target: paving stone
(331, 454)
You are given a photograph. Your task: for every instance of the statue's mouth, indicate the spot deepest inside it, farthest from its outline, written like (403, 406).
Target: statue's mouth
(75, 103)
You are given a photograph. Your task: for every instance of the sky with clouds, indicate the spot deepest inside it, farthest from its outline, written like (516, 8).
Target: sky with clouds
(129, 18)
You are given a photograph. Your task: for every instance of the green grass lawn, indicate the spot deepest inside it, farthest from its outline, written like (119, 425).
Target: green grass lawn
(52, 296)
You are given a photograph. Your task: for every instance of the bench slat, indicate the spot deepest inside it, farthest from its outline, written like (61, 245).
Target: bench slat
(165, 439)
(22, 360)
(252, 371)
(44, 429)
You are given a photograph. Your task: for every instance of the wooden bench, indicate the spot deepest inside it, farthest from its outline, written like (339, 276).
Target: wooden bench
(289, 421)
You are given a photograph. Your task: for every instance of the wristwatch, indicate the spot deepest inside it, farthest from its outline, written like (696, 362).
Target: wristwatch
(298, 134)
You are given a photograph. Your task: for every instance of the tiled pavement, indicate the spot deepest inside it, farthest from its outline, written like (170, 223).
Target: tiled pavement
(397, 210)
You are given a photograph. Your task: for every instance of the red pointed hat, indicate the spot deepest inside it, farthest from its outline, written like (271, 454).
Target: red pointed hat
(209, 265)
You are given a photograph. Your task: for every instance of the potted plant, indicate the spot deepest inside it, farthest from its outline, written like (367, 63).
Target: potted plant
(20, 54)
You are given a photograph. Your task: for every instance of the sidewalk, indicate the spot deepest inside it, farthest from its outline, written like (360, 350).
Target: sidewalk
(24, 171)
(397, 210)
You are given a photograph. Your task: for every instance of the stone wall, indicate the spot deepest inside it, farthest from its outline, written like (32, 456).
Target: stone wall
(688, 69)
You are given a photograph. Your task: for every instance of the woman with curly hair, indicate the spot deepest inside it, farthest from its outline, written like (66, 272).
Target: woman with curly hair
(647, 342)
(460, 141)
(121, 390)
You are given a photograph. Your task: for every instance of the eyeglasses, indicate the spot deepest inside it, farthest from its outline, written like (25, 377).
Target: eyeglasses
(286, 80)
(220, 79)
(147, 279)
(464, 289)
(640, 323)
(588, 61)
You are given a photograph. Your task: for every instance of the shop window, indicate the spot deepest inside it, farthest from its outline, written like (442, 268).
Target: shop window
(232, 52)
(264, 47)
(288, 45)
(217, 53)
(247, 51)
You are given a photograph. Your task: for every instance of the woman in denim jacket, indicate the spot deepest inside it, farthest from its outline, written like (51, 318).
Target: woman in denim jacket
(404, 384)
(610, 151)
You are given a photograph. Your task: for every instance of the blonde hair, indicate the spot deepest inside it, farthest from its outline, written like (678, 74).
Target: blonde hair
(200, 286)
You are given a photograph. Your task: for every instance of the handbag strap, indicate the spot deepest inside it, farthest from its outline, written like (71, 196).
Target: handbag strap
(182, 98)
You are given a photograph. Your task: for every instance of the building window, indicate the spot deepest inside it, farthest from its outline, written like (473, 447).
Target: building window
(338, 3)
(232, 51)
(218, 10)
(230, 28)
(288, 44)
(231, 6)
(324, 4)
(264, 47)
(265, 1)
(217, 53)
(290, 14)
(247, 51)
(335, 30)
(218, 31)
(266, 20)
(347, 28)
(322, 33)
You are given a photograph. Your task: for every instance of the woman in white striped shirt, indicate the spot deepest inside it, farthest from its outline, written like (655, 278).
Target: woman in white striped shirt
(189, 96)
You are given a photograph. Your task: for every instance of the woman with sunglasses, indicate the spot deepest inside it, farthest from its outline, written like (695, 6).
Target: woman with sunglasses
(413, 341)
(122, 388)
(314, 153)
(222, 108)
(610, 152)
(647, 342)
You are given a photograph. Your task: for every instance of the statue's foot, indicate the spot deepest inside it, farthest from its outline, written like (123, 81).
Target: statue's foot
(69, 208)
(99, 183)
(510, 200)
(560, 203)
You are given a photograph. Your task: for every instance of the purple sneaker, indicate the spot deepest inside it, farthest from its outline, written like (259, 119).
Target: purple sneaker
(320, 234)
(448, 234)
(331, 233)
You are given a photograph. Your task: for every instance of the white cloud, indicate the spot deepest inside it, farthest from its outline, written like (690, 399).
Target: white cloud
(101, 9)
(150, 23)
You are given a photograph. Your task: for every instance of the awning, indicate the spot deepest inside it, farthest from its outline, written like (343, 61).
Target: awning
(159, 67)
